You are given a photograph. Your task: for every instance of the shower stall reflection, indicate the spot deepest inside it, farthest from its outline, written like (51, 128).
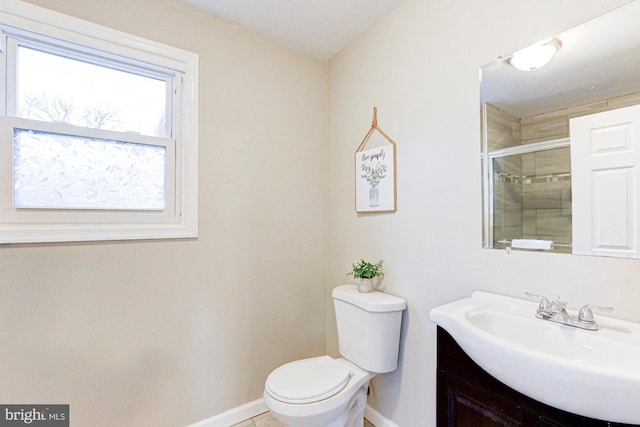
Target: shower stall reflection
(531, 195)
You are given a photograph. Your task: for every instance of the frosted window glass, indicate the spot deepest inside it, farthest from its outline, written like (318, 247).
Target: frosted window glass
(55, 88)
(69, 172)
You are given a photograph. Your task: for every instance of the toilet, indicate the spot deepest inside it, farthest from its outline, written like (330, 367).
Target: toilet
(326, 392)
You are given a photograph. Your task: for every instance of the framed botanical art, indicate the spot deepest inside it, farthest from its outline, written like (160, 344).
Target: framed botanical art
(375, 172)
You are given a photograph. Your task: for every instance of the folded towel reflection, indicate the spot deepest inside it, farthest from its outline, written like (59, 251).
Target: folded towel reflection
(532, 244)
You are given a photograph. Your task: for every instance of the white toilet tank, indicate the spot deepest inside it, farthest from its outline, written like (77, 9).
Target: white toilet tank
(368, 327)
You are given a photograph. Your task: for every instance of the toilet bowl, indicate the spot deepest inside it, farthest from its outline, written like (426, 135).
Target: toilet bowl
(318, 392)
(327, 392)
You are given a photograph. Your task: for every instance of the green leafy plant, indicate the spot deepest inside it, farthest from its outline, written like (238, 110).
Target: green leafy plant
(374, 174)
(366, 270)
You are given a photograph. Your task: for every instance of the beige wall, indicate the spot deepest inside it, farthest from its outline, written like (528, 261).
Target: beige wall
(165, 333)
(419, 66)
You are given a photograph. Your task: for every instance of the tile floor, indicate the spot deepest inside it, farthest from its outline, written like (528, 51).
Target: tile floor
(267, 420)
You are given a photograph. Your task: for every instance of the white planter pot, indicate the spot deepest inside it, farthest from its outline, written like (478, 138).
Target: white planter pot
(370, 285)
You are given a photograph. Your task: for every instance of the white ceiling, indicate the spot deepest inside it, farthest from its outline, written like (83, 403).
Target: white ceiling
(318, 28)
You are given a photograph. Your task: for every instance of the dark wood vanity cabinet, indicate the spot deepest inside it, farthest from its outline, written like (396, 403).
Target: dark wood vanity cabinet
(470, 397)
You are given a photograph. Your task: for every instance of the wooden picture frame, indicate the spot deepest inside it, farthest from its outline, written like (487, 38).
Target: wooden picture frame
(375, 173)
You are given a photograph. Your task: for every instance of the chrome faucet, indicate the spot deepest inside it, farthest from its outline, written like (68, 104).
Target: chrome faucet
(556, 311)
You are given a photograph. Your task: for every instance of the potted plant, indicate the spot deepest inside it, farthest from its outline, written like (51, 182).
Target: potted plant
(369, 275)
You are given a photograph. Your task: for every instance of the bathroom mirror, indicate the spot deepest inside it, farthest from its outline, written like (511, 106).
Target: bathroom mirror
(526, 157)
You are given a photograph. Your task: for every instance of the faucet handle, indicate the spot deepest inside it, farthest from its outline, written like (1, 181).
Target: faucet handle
(545, 305)
(586, 315)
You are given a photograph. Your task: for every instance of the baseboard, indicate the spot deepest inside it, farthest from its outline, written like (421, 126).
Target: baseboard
(377, 419)
(257, 407)
(235, 415)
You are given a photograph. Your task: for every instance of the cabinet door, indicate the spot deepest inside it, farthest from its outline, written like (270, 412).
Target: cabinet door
(545, 422)
(469, 406)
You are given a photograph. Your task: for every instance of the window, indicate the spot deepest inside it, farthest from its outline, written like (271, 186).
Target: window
(98, 132)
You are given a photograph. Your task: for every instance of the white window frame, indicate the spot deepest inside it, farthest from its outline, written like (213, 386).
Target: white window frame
(33, 25)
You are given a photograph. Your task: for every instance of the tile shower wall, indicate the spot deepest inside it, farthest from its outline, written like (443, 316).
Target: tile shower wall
(532, 197)
(546, 196)
(555, 125)
(503, 129)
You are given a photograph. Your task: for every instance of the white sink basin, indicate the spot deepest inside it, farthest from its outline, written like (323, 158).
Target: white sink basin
(591, 373)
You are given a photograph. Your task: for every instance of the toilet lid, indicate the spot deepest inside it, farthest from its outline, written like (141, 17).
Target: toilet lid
(308, 380)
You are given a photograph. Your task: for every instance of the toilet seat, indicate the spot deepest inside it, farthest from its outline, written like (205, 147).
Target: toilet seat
(308, 380)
